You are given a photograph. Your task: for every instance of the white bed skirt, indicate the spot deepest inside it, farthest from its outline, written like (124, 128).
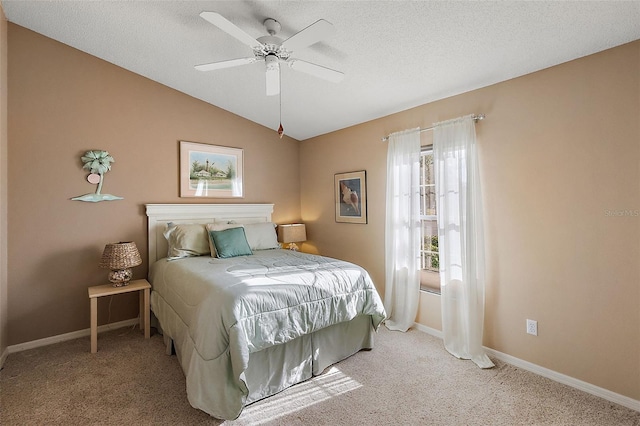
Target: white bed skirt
(270, 370)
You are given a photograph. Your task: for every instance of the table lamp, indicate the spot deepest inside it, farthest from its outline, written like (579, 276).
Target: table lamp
(120, 258)
(292, 234)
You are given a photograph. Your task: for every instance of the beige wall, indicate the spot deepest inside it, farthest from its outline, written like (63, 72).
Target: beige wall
(3, 186)
(63, 102)
(558, 150)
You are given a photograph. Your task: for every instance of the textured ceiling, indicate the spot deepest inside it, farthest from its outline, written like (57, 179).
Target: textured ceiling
(395, 54)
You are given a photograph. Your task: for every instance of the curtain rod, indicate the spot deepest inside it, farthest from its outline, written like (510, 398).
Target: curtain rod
(476, 118)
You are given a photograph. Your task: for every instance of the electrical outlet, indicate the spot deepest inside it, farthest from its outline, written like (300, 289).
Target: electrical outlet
(532, 327)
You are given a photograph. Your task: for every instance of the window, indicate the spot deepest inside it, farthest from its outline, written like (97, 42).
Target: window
(429, 258)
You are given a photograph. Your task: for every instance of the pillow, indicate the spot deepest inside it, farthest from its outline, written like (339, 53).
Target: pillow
(231, 242)
(186, 240)
(261, 236)
(218, 227)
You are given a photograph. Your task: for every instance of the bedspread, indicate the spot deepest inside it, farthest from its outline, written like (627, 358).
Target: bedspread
(233, 307)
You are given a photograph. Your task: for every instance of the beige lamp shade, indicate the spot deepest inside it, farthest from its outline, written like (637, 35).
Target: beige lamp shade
(293, 233)
(120, 258)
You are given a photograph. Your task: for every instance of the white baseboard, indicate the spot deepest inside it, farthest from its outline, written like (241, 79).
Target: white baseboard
(566, 380)
(625, 401)
(3, 357)
(68, 336)
(429, 330)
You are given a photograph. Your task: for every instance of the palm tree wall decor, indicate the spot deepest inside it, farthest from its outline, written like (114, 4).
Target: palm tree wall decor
(98, 163)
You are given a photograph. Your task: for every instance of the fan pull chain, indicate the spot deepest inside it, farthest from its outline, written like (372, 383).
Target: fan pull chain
(280, 128)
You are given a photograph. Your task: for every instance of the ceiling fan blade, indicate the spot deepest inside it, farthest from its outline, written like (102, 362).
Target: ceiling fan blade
(230, 28)
(225, 64)
(315, 32)
(316, 70)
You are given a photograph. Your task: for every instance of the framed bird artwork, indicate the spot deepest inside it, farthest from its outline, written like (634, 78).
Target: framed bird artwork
(351, 197)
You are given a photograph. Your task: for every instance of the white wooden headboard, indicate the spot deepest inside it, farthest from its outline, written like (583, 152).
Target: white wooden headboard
(161, 214)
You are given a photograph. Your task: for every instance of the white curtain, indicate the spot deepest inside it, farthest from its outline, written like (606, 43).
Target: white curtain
(460, 238)
(402, 231)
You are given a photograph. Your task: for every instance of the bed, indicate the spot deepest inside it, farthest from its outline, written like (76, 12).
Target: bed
(248, 325)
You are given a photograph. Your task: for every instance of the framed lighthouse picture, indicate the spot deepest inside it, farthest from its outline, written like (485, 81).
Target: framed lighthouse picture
(210, 170)
(351, 197)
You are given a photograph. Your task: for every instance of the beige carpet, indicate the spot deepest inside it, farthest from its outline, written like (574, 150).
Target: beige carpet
(408, 379)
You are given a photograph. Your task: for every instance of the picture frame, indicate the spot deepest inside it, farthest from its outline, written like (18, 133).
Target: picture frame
(351, 197)
(211, 171)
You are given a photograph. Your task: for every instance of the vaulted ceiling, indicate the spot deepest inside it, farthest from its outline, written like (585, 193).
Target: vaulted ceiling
(395, 54)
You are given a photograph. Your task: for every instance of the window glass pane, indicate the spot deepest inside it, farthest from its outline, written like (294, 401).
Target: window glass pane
(430, 184)
(431, 200)
(429, 252)
(429, 258)
(423, 205)
(427, 184)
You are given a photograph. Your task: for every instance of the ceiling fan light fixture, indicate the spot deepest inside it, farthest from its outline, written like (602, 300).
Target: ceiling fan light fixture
(272, 63)
(272, 75)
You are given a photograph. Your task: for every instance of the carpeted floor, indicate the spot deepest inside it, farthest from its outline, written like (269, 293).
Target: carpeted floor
(408, 379)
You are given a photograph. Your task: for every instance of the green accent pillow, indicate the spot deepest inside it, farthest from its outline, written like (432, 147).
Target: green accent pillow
(230, 242)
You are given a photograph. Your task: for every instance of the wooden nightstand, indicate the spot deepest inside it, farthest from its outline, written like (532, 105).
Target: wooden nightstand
(142, 286)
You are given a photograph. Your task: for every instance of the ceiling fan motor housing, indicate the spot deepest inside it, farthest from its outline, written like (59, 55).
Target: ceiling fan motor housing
(271, 45)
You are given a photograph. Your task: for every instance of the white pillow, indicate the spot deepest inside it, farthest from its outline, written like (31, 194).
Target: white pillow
(261, 236)
(186, 240)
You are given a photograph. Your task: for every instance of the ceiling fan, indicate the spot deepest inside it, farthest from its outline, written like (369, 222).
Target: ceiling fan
(273, 50)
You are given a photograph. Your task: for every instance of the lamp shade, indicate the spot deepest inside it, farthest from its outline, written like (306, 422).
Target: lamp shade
(121, 255)
(293, 233)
